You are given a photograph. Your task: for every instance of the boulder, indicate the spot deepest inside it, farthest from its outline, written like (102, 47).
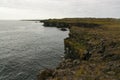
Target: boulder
(44, 74)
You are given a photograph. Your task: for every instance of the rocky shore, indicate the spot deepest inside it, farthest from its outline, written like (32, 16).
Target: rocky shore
(65, 23)
(92, 51)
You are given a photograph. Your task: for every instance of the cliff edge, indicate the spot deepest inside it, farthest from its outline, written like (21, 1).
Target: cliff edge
(92, 52)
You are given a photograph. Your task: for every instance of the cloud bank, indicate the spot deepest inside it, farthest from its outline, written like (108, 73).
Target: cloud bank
(39, 9)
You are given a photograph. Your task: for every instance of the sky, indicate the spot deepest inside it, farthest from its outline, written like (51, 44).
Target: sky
(44, 9)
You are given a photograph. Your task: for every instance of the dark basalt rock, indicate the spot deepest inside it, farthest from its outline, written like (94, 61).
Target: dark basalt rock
(44, 74)
(55, 24)
(59, 24)
(63, 29)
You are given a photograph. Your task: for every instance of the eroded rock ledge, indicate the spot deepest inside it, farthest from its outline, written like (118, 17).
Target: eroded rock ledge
(90, 54)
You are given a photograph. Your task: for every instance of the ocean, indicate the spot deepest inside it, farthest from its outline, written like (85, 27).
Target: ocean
(27, 47)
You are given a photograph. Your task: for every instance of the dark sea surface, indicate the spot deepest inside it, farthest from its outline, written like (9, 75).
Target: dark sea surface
(25, 47)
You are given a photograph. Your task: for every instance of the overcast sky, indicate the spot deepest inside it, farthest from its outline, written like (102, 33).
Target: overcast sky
(39, 9)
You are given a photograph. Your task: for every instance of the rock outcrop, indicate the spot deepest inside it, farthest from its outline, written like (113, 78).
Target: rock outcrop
(91, 53)
(66, 24)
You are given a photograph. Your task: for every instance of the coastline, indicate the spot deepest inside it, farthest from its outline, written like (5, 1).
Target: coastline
(91, 50)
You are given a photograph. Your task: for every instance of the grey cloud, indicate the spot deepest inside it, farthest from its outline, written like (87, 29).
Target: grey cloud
(64, 8)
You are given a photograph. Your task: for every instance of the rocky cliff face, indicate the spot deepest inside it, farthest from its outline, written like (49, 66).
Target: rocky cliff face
(98, 51)
(62, 24)
(91, 53)
(84, 43)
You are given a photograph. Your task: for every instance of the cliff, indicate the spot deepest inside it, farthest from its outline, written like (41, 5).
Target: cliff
(91, 52)
(68, 22)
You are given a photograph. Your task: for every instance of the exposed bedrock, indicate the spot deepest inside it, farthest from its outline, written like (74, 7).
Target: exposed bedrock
(66, 24)
(90, 53)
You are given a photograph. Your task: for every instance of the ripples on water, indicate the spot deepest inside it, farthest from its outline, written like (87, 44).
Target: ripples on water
(25, 46)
